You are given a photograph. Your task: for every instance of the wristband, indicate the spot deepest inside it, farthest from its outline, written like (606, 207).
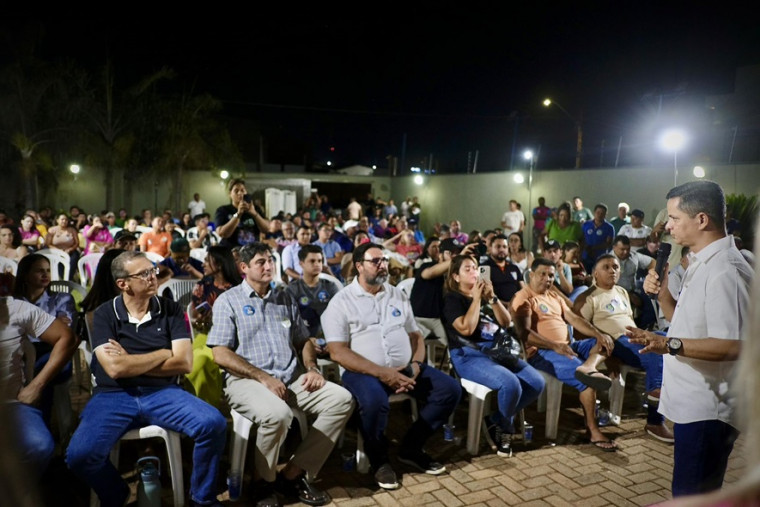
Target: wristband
(419, 363)
(235, 215)
(314, 369)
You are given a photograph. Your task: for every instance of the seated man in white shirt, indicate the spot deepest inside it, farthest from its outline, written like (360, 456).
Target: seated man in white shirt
(636, 231)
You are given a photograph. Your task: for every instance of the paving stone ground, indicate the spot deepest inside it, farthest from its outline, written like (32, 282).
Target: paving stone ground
(567, 471)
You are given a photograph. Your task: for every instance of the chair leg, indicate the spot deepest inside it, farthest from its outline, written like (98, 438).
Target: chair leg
(553, 402)
(474, 423)
(241, 431)
(617, 395)
(174, 452)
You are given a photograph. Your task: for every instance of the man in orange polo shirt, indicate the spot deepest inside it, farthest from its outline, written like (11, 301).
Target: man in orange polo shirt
(541, 320)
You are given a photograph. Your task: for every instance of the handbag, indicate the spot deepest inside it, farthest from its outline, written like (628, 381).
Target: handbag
(505, 348)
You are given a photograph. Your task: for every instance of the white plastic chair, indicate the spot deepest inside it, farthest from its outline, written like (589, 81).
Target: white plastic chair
(241, 433)
(8, 266)
(180, 289)
(173, 451)
(331, 278)
(153, 257)
(57, 258)
(198, 254)
(617, 394)
(277, 267)
(478, 396)
(362, 460)
(87, 265)
(550, 401)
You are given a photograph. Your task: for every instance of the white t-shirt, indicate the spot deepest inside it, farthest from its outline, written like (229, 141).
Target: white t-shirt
(512, 221)
(713, 303)
(375, 326)
(196, 207)
(635, 233)
(18, 319)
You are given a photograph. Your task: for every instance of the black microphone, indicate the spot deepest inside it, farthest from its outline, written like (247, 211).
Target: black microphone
(662, 258)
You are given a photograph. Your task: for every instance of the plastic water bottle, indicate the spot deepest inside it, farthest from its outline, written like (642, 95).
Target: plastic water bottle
(234, 480)
(604, 417)
(149, 489)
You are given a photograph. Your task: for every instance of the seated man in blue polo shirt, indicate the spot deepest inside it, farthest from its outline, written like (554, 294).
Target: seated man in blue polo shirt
(179, 264)
(597, 237)
(141, 344)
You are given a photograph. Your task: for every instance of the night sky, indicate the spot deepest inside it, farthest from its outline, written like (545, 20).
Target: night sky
(453, 81)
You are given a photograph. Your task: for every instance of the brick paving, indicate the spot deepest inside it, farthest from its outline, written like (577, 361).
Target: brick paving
(568, 471)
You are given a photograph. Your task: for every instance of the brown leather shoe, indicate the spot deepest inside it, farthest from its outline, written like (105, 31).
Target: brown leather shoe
(661, 432)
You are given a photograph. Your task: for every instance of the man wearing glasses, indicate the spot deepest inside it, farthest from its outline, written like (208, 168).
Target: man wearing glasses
(371, 332)
(141, 345)
(259, 338)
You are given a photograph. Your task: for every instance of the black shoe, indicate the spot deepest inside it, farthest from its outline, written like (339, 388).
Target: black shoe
(502, 440)
(386, 477)
(422, 462)
(262, 494)
(301, 488)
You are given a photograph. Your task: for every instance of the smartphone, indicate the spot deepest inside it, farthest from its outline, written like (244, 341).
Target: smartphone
(485, 273)
(248, 198)
(203, 307)
(481, 248)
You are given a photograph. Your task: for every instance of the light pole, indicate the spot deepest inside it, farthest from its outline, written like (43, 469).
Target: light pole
(531, 158)
(673, 140)
(578, 127)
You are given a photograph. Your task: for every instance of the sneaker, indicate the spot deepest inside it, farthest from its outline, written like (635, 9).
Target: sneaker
(422, 462)
(502, 440)
(660, 432)
(302, 489)
(386, 477)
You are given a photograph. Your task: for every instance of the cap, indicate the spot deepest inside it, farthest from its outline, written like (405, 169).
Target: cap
(451, 245)
(349, 223)
(637, 213)
(124, 234)
(180, 245)
(550, 244)
(624, 205)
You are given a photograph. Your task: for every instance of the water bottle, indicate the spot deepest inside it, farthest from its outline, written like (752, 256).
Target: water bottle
(604, 417)
(149, 489)
(234, 480)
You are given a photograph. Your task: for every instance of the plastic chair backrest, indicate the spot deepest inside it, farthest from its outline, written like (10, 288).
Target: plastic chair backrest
(87, 265)
(57, 259)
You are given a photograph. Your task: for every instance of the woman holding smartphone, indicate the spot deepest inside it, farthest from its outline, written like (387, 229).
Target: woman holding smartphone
(473, 317)
(239, 223)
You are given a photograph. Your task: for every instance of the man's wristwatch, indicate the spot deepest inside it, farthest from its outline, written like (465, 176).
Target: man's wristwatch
(235, 215)
(674, 346)
(314, 369)
(494, 300)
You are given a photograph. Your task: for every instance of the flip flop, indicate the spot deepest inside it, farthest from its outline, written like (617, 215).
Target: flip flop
(595, 380)
(605, 445)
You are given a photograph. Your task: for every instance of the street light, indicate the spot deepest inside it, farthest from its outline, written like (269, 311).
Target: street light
(578, 127)
(699, 171)
(673, 140)
(531, 158)
(224, 174)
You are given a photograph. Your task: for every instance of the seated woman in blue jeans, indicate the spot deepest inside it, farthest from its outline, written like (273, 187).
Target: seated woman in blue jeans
(471, 331)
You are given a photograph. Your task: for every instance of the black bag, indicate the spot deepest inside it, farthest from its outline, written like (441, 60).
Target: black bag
(505, 349)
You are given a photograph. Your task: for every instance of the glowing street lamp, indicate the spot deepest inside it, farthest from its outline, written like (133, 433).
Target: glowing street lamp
(518, 178)
(75, 168)
(578, 127)
(699, 171)
(673, 140)
(224, 174)
(419, 180)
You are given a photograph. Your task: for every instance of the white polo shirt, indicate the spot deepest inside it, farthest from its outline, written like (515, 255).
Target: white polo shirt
(713, 303)
(375, 326)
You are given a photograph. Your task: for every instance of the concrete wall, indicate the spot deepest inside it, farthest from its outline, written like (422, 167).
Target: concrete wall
(480, 200)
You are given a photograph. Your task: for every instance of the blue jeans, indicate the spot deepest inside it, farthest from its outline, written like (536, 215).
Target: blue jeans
(515, 389)
(436, 393)
(109, 415)
(564, 367)
(651, 363)
(700, 456)
(35, 444)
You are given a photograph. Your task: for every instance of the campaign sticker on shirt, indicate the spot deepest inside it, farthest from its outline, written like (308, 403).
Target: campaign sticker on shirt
(543, 308)
(249, 310)
(599, 232)
(610, 308)
(395, 312)
(286, 323)
(323, 296)
(304, 301)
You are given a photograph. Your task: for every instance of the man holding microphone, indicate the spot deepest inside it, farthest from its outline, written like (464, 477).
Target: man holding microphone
(703, 341)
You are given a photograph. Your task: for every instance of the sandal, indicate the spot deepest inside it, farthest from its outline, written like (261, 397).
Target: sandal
(594, 379)
(605, 445)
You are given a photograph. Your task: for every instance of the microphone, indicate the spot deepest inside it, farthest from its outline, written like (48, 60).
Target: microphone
(662, 258)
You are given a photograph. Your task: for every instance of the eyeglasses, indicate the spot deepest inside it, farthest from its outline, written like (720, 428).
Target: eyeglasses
(145, 275)
(377, 260)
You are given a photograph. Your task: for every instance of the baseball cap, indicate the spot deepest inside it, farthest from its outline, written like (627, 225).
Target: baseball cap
(550, 244)
(180, 245)
(349, 223)
(451, 245)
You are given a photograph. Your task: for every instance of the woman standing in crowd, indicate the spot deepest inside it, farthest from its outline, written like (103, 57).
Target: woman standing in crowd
(471, 325)
(10, 243)
(517, 253)
(220, 274)
(239, 223)
(563, 229)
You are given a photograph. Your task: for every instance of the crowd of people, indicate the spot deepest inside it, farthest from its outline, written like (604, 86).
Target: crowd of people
(275, 294)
